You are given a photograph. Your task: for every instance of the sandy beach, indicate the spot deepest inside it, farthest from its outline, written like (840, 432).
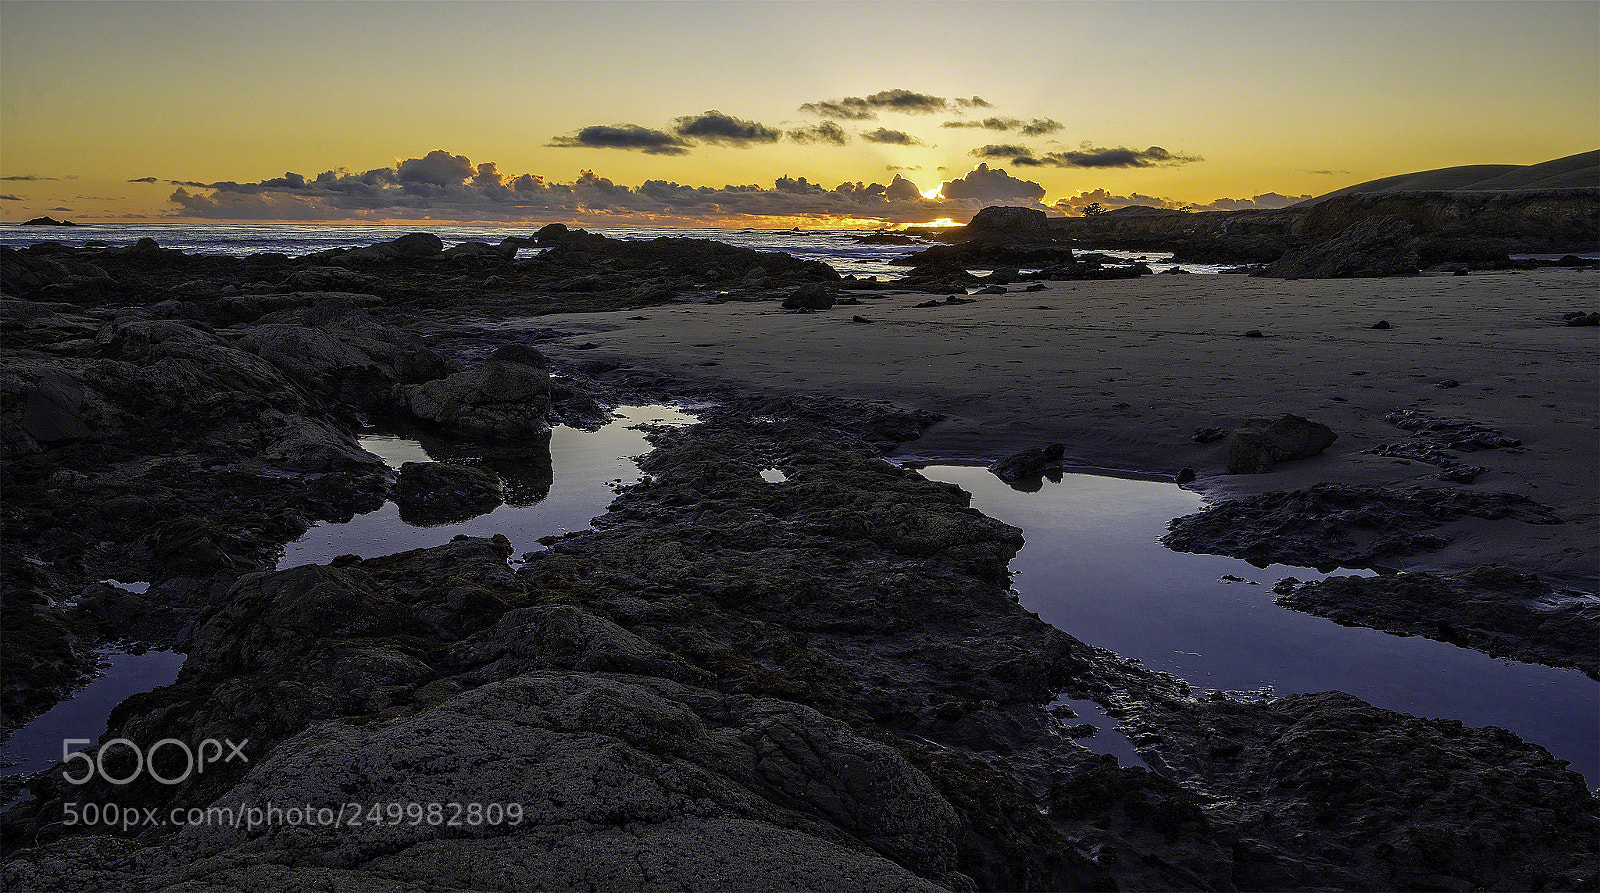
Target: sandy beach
(1123, 372)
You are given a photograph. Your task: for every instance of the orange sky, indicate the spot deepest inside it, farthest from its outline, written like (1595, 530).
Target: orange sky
(1242, 100)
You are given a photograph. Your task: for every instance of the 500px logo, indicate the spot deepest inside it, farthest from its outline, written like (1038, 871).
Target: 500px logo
(179, 760)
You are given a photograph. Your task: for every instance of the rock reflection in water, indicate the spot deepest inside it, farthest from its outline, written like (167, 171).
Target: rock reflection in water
(551, 484)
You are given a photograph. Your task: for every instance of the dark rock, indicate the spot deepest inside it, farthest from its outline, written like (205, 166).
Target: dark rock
(520, 353)
(811, 296)
(859, 318)
(1489, 608)
(1257, 445)
(1381, 324)
(47, 221)
(437, 493)
(1185, 476)
(1338, 525)
(1375, 246)
(1254, 333)
(499, 399)
(991, 290)
(1579, 318)
(1208, 435)
(1008, 223)
(1026, 466)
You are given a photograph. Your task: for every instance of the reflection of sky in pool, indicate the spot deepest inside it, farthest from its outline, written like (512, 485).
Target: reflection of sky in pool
(1093, 567)
(587, 466)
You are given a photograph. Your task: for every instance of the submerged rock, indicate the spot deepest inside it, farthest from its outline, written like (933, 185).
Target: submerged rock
(1257, 445)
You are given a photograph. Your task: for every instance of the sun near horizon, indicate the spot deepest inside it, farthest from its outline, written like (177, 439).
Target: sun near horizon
(764, 115)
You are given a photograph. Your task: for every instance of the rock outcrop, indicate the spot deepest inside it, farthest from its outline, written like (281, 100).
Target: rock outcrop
(1255, 446)
(1377, 246)
(1491, 609)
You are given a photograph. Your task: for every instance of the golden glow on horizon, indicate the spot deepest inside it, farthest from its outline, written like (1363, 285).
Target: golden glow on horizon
(1292, 98)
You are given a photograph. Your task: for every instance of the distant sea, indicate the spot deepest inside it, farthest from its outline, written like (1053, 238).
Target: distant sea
(837, 248)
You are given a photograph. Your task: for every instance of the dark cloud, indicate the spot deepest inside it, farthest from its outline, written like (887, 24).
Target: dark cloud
(910, 102)
(826, 132)
(487, 177)
(145, 180)
(991, 185)
(192, 184)
(889, 137)
(32, 177)
(1034, 127)
(901, 189)
(437, 168)
(58, 209)
(624, 136)
(1002, 150)
(902, 167)
(1089, 155)
(987, 124)
(8, 197)
(1327, 172)
(851, 108)
(491, 195)
(715, 127)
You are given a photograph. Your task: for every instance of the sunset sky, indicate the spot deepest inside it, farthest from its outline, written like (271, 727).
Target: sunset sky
(231, 111)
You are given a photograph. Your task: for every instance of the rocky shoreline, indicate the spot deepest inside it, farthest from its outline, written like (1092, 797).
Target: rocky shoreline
(818, 683)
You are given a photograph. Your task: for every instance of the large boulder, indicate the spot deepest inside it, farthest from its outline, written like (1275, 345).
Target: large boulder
(500, 399)
(1009, 223)
(1257, 445)
(440, 493)
(1378, 246)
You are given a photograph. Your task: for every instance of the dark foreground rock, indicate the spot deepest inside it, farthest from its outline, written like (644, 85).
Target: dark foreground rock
(817, 684)
(440, 493)
(1329, 526)
(1257, 445)
(1491, 609)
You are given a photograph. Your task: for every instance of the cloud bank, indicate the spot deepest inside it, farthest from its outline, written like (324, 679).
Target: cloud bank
(443, 186)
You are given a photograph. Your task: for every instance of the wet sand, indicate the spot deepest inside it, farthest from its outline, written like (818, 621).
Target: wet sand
(1123, 372)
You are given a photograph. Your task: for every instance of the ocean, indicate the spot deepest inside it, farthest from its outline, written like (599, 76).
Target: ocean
(837, 248)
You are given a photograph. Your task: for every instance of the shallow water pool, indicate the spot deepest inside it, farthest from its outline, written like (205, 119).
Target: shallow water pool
(1093, 567)
(547, 492)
